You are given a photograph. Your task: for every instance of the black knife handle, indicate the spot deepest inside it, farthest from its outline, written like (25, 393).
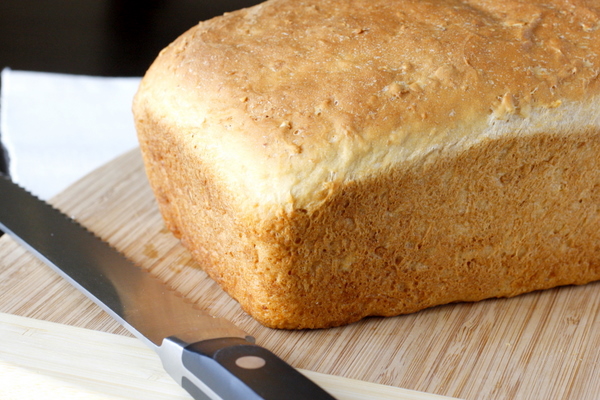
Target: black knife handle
(235, 369)
(250, 371)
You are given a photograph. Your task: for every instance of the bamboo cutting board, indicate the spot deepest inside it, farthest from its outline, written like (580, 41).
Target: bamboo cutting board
(41, 359)
(543, 345)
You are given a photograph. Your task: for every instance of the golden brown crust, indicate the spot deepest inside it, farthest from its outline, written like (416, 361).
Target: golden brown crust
(318, 93)
(325, 164)
(392, 63)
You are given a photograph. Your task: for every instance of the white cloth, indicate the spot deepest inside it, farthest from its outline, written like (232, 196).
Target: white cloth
(57, 128)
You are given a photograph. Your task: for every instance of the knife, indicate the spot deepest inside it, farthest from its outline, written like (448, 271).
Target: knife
(209, 357)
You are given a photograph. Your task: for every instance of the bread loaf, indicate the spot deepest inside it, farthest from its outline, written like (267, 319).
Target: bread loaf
(328, 160)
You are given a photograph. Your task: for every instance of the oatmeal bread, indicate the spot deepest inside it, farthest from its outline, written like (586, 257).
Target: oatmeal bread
(328, 160)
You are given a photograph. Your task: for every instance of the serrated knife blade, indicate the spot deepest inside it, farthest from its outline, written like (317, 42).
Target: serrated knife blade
(209, 357)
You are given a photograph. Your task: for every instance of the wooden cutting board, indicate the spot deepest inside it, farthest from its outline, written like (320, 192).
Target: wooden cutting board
(41, 359)
(543, 345)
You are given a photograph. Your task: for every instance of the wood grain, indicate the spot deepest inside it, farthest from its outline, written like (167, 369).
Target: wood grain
(540, 345)
(40, 359)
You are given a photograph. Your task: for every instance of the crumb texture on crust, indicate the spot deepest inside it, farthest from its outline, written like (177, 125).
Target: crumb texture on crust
(324, 164)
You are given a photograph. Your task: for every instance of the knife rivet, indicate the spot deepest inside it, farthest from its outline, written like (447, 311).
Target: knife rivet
(250, 362)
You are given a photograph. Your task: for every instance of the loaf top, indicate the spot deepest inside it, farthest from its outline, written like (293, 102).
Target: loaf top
(287, 100)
